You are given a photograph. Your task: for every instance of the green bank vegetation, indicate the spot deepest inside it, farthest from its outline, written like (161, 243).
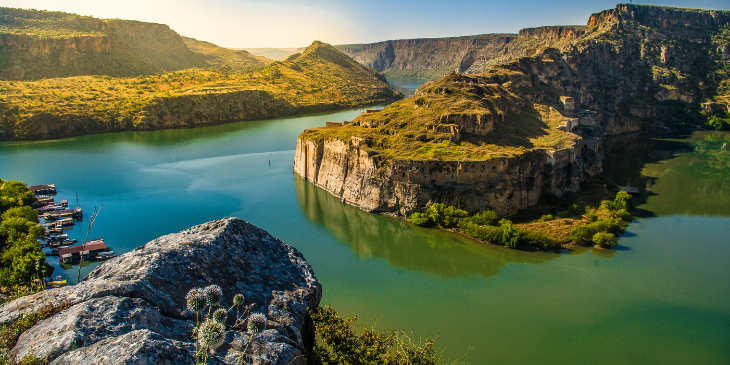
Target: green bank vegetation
(23, 267)
(339, 343)
(598, 226)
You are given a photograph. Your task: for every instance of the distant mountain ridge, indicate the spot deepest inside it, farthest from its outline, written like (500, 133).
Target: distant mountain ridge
(41, 44)
(431, 58)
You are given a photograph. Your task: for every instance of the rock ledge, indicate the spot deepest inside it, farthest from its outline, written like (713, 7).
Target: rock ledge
(131, 309)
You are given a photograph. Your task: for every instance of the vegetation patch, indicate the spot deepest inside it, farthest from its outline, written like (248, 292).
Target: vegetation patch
(23, 266)
(340, 344)
(598, 225)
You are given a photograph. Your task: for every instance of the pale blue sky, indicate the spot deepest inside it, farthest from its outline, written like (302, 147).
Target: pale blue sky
(296, 23)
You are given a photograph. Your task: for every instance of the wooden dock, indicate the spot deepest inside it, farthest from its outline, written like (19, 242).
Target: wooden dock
(630, 190)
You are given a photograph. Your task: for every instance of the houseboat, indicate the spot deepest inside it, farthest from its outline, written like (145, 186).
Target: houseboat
(43, 189)
(86, 252)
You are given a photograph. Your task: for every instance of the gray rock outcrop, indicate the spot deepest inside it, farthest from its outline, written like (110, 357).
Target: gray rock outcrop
(132, 308)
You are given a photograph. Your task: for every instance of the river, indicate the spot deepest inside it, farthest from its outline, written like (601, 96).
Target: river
(662, 296)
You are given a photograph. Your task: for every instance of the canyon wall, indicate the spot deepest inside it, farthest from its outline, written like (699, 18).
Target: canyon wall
(632, 68)
(38, 45)
(399, 187)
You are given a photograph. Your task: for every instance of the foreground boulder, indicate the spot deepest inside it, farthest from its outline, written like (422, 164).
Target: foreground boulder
(132, 309)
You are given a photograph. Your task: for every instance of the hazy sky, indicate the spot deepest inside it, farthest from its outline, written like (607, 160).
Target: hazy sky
(295, 23)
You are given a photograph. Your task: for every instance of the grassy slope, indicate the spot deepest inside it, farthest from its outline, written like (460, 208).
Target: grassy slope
(320, 76)
(225, 58)
(409, 129)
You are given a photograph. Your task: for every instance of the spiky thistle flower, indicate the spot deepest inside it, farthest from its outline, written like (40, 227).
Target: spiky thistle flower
(196, 300)
(211, 334)
(213, 294)
(220, 315)
(257, 323)
(238, 299)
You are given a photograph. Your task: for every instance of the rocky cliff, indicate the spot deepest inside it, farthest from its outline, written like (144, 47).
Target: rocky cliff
(132, 309)
(40, 44)
(500, 139)
(431, 58)
(460, 141)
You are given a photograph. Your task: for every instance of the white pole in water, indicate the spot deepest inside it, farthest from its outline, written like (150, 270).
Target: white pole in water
(83, 248)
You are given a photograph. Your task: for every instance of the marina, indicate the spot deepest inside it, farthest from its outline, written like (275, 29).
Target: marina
(58, 219)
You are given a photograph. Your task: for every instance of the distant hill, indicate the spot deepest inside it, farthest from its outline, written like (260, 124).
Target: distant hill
(42, 44)
(225, 58)
(431, 58)
(278, 54)
(319, 79)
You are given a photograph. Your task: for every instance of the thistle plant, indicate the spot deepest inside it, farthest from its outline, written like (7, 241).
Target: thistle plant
(213, 294)
(220, 315)
(256, 323)
(210, 330)
(211, 334)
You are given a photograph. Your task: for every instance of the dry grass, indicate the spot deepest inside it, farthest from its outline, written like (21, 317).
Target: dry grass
(412, 129)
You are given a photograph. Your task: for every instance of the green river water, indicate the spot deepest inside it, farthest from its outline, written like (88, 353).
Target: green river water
(662, 296)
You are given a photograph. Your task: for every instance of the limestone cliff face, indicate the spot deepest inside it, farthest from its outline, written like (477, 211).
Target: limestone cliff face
(428, 57)
(503, 185)
(631, 68)
(44, 45)
(132, 309)
(431, 58)
(638, 67)
(553, 32)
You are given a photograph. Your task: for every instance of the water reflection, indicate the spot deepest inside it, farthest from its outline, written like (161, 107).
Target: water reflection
(404, 245)
(680, 174)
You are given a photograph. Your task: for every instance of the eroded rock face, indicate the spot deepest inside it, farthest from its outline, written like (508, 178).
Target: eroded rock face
(504, 185)
(133, 306)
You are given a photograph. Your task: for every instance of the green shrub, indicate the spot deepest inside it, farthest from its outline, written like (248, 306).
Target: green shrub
(489, 234)
(591, 217)
(623, 214)
(420, 219)
(485, 218)
(444, 216)
(546, 218)
(604, 239)
(623, 201)
(341, 345)
(452, 216)
(610, 205)
(585, 233)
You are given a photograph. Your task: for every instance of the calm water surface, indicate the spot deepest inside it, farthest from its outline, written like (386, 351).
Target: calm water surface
(663, 296)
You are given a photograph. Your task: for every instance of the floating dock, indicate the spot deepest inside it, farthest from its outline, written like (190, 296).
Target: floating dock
(86, 252)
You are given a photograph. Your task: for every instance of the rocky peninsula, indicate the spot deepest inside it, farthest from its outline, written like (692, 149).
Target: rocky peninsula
(132, 309)
(501, 139)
